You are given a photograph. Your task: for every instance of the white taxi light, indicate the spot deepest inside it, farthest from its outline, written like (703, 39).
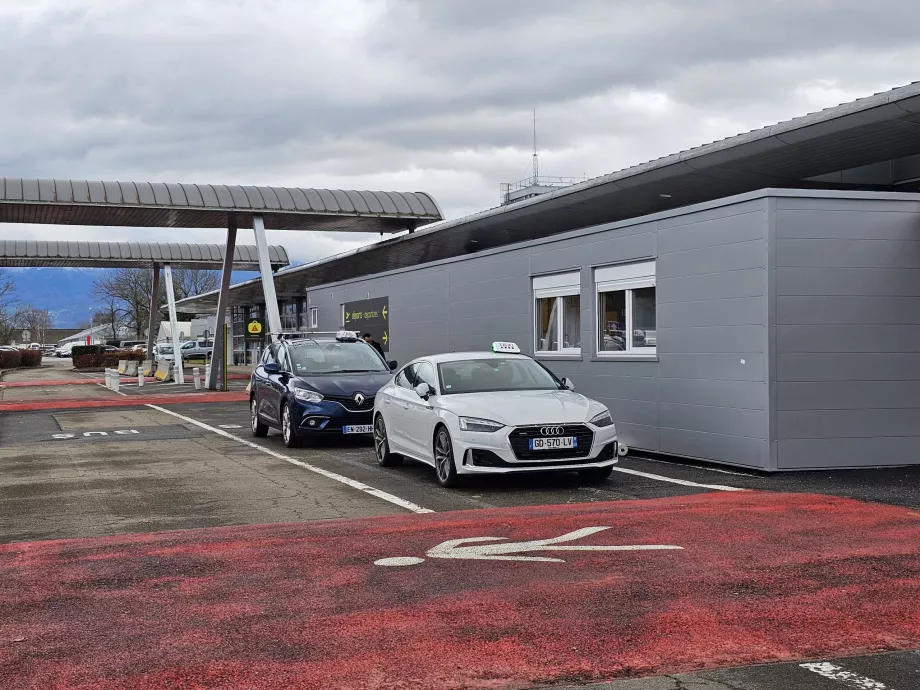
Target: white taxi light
(346, 335)
(508, 348)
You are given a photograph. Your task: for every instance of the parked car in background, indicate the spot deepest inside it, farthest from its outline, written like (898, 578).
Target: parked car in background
(65, 349)
(193, 349)
(131, 344)
(163, 351)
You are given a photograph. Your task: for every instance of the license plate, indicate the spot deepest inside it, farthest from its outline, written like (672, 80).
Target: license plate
(553, 443)
(358, 429)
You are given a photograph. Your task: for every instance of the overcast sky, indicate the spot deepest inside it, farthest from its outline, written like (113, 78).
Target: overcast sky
(432, 95)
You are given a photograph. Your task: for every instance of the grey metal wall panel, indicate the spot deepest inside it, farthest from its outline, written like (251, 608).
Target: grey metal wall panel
(848, 225)
(865, 310)
(518, 286)
(863, 423)
(728, 421)
(732, 450)
(847, 367)
(847, 395)
(849, 338)
(711, 339)
(713, 286)
(747, 366)
(726, 312)
(749, 395)
(741, 255)
(826, 453)
(741, 227)
(624, 388)
(833, 253)
(495, 306)
(509, 264)
(847, 332)
(847, 281)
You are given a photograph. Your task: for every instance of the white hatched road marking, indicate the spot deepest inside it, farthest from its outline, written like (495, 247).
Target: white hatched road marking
(696, 467)
(848, 678)
(396, 500)
(684, 482)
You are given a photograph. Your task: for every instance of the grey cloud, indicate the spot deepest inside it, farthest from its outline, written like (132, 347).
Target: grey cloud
(416, 94)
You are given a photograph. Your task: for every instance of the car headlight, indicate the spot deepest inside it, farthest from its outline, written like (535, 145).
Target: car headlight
(308, 395)
(476, 424)
(602, 419)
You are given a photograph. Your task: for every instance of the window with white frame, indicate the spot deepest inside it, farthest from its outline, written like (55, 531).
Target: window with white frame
(627, 309)
(314, 317)
(557, 313)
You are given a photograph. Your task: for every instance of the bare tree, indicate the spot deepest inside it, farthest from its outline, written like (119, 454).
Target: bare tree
(127, 291)
(34, 320)
(188, 282)
(7, 288)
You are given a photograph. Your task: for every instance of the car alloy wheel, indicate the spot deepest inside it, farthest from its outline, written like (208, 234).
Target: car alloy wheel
(444, 459)
(258, 428)
(385, 457)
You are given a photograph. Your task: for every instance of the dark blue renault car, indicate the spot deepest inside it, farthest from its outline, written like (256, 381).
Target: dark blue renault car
(323, 385)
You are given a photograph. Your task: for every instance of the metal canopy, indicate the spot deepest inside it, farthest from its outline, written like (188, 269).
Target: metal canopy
(880, 128)
(159, 205)
(25, 253)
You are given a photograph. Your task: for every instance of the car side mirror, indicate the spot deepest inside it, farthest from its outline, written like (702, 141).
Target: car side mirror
(423, 390)
(569, 386)
(271, 368)
(393, 364)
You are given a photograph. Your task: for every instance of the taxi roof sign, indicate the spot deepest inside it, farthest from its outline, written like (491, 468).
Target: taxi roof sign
(507, 348)
(346, 335)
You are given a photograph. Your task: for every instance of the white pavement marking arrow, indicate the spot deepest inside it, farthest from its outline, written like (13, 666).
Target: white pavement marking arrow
(499, 552)
(848, 678)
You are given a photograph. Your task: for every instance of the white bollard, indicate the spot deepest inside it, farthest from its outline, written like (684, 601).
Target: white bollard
(108, 378)
(196, 378)
(140, 378)
(116, 380)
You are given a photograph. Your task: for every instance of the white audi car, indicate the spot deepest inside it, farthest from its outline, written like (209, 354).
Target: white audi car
(491, 412)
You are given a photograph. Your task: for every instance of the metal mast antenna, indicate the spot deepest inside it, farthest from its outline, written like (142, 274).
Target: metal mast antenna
(536, 161)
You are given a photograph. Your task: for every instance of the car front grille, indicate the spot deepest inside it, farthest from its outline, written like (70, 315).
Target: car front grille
(520, 437)
(348, 402)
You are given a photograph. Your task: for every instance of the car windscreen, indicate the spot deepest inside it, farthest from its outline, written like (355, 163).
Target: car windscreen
(164, 349)
(493, 374)
(334, 357)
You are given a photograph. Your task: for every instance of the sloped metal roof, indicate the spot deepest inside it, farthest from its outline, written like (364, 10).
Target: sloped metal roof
(180, 205)
(27, 253)
(879, 128)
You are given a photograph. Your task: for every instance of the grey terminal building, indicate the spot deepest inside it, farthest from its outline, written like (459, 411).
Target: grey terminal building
(753, 302)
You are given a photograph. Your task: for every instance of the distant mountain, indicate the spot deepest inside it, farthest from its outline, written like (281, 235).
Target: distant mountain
(65, 292)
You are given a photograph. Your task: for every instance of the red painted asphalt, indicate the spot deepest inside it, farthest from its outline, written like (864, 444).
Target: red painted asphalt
(84, 382)
(761, 577)
(124, 401)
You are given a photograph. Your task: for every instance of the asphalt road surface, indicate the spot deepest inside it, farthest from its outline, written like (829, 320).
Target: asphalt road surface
(314, 567)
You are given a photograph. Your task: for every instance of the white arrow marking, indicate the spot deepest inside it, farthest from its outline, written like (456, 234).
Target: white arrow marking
(500, 552)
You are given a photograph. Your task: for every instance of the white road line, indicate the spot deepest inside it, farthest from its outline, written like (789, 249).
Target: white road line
(848, 678)
(396, 500)
(684, 482)
(107, 388)
(696, 467)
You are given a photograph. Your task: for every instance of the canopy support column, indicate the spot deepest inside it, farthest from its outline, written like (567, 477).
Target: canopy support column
(173, 325)
(268, 280)
(220, 347)
(154, 310)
